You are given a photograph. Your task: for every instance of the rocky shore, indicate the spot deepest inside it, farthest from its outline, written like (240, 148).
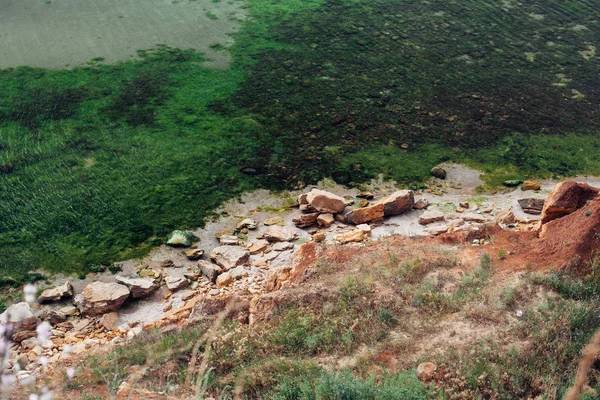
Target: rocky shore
(264, 242)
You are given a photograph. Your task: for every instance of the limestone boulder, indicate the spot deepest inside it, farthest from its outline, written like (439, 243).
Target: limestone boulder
(327, 202)
(283, 246)
(99, 298)
(229, 240)
(109, 321)
(194, 254)
(225, 279)
(438, 172)
(209, 270)
(258, 247)
(436, 229)
(530, 185)
(138, 287)
(247, 223)
(305, 220)
(565, 198)
(362, 215)
(357, 235)
(398, 202)
(431, 216)
(421, 204)
(56, 294)
(474, 217)
(532, 206)
(279, 234)
(175, 283)
(325, 220)
(20, 316)
(230, 257)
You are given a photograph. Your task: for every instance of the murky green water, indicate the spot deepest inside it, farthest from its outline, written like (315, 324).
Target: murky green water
(100, 161)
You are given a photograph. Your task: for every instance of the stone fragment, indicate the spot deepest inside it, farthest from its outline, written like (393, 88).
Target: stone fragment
(109, 321)
(230, 240)
(283, 246)
(398, 202)
(357, 235)
(532, 206)
(69, 311)
(365, 195)
(193, 274)
(138, 287)
(565, 198)
(530, 185)
(225, 279)
(56, 294)
(23, 335)
(214, 292)
(230, 256)
(474, 217)
(460, 210)
(175, 283)
(305, 220)
(167, 264)
(431, 216)
(436, 229)
(438, 172)
(247, 223)
(238, 273)
(324, 201)
(325, 220)
(463, 204)
(506, 217)
(258, 247)
(361, 215)
(363, 203)
(53, 316)
(319, 237)
(209, 270)
(99, 298)
(426, 371)
(194, 254)
(179, 238)
(365, 228)
(278, 234)
(421, 204)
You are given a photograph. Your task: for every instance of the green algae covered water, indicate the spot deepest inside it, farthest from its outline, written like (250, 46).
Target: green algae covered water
(121, 121)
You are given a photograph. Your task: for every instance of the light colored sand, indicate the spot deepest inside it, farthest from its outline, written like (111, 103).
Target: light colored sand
(68, 33)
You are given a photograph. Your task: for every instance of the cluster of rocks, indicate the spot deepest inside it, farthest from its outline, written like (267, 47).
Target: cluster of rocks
(250, 259)
(323, 208)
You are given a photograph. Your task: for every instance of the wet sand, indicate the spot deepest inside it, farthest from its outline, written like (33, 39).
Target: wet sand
(68, 33)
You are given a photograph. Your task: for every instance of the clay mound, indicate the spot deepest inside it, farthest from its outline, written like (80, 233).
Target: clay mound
(572, 239)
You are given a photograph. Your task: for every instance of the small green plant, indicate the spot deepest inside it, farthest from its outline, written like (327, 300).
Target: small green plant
(212, 15)
(501, 254)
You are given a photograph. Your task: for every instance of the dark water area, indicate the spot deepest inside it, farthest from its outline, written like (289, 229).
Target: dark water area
(100, 162)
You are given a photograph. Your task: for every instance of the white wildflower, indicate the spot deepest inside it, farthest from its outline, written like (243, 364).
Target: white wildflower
(30, 292)
(519, 313)
(70, 372)
(43, 331)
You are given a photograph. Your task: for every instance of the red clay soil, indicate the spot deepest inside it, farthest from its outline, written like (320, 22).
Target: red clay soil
(573, 238)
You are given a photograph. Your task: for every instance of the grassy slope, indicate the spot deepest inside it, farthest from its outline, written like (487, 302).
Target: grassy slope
(99, 163)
